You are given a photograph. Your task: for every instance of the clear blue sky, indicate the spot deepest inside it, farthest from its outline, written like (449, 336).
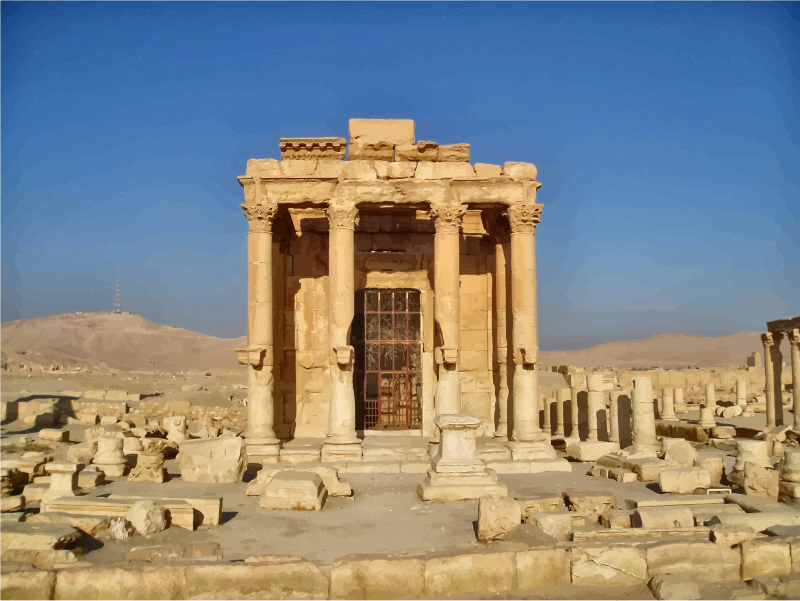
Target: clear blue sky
(666, 137)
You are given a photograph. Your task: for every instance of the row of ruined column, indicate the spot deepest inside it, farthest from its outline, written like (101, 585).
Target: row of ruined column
(773, 363)
(517, 252)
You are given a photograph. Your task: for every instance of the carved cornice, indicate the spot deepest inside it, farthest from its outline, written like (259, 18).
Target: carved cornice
(312, 148)
(524, 218)
(343, 218)
(260, 217)
(448, 218)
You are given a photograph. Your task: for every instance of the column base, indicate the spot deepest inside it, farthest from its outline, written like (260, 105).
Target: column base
(332, 451)
(526, 451)
(707, 424)
(460, 487)
(262, 450)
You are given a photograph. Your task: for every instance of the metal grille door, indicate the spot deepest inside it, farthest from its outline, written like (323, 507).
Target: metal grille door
(387, 331)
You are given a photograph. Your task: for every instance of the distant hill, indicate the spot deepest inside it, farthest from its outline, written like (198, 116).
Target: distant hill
(117, 341)
(669, 351)
(132, 342)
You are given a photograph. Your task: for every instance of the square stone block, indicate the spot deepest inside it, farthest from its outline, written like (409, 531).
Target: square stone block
(299, 491)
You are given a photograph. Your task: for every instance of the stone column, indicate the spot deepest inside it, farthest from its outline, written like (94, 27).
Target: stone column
(562, 396)
(447, 305)
(769, 340)
(777, 366)
(529, 440)
(342, 443)
(594, 383)
(741, 392)
(545, 403)
(575, 431)
(502, 251)
(680, 405)
(707, 418)
(644, 420)
(668, 404)
(262, 444)
(794, 343)
(613, 418)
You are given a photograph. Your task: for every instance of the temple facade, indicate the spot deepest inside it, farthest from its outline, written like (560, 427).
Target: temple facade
(386, 289)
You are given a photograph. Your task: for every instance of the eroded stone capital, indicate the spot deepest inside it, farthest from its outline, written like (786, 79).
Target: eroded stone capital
(260, 217)
(794, 337)
(343, 218)
(448, 218)
(524, 218)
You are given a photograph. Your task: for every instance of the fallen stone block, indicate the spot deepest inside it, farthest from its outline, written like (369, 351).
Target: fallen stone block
(616, 518)
(298, 491)
(497, 516)
(23, 581)
(39, 537)
(557, 525)
(210, 509)
(147, 517)
(538, 503)
(12, 504)
(622, 475)
(766, 557)
(758, 521)
(591, 451)
(541, 466)
(663, 517)
(49, 435)
(371, 467)
(181, 513)
(590, 504)
(761, 481)
(639, 533)
(683, 481)
(220, 460)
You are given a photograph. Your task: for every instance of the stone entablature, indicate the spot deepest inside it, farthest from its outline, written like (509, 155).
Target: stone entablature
(313, 148)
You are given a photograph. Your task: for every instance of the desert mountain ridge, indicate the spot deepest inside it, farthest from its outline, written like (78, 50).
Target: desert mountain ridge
(131, 342)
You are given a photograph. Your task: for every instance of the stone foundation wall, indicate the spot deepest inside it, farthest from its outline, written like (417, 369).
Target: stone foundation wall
(411, 575)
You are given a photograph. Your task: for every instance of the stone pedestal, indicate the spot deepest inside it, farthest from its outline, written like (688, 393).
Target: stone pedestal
(63, 480)
(457, 473)
(707, 418)
(297, 491)
(110, 458)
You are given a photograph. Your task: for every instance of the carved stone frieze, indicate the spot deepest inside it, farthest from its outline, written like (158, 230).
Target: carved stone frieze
(342, 217)
(448, 218)
(312, 148)
(524, 218)
(260, 217)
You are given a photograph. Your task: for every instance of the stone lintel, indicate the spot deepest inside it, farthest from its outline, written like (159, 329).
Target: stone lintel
(783, 325)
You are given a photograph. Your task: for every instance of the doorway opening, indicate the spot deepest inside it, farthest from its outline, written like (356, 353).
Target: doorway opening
(387, 337)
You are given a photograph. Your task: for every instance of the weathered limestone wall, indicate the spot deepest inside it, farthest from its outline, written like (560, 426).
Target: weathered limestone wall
(391, 251)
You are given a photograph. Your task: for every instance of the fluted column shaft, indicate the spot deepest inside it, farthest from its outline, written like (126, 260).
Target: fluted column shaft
(447, 305)
(341, 283)
(525, 338)
(613, 418)
(769, 340)
(562, 397)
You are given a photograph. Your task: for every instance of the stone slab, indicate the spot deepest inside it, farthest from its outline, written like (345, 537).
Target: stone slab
(181, 512)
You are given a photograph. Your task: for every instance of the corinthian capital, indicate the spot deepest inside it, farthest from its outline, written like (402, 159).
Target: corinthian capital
(448, 218)
(771, 338)
(343, 218)
(794, 337)
(524, 218)
(260, 217)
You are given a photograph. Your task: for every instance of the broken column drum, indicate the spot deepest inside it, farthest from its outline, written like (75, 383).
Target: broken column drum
(110, 457)
(644, 422)
(668, 405)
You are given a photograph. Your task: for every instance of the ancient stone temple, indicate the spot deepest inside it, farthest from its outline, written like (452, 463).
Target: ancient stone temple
(389, 288)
